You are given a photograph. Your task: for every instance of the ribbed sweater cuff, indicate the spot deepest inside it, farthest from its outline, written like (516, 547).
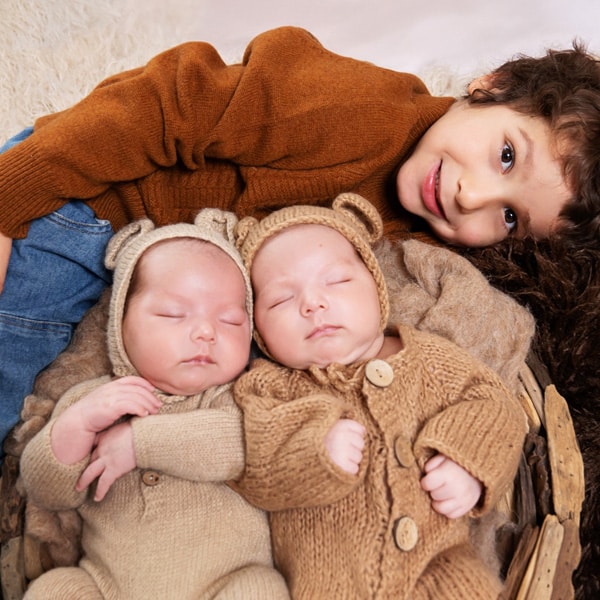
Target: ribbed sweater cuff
(49, 482)
(487, 445)
(25, 180)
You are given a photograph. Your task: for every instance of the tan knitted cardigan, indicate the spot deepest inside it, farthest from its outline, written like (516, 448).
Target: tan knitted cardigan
(336, 535)
(293, 123)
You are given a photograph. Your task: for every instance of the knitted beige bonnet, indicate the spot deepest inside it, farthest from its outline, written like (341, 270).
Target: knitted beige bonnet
(350, 214)
(127, 246)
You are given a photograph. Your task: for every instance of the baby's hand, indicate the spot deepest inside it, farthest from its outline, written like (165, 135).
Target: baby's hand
(453, 490)
(74, 432)
(345, 442)
(113, 457)
(106, 404)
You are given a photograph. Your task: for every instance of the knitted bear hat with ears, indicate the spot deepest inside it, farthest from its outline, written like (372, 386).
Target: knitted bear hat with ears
(126, 248)
(350, 214)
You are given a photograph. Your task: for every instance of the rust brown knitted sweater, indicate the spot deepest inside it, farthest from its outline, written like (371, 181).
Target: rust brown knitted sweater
(293, 123)
(375, 535)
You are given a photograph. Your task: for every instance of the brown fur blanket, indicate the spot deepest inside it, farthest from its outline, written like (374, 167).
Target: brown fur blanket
(561, 288)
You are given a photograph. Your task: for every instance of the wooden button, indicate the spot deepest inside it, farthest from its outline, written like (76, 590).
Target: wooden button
(379, 373)
(406, 534)
(404, 452)
(150, 477)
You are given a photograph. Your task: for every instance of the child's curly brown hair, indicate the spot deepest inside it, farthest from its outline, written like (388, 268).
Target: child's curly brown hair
(563, 88)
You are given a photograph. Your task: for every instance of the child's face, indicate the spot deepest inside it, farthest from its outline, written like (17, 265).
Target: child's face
(482, 173)
(186, 328)
(315, 300)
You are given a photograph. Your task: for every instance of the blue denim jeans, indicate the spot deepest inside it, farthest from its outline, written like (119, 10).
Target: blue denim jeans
(54, 276)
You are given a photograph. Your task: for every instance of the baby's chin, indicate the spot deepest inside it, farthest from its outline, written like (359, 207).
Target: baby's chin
(330, 352)
(345, 359)
(192, 388)
(303, 365)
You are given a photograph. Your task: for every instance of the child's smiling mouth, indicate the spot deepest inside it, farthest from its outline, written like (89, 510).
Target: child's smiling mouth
(431, 191)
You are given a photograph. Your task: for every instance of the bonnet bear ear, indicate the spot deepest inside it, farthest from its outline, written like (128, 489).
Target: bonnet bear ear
(221, 222)
(123, 238)
(362, 213)
(242, 230)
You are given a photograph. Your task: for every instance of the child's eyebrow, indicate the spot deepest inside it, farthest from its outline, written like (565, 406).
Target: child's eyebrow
(527, 161)
(529, 148)
(525, 223)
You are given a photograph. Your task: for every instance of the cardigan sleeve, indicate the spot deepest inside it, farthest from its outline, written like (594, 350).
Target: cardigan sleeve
(290, 104)
(483, 431)
(206, 444)
(48, 482)
(287, 465)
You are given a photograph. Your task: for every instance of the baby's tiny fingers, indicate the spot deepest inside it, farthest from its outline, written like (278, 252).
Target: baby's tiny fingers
(92, 472)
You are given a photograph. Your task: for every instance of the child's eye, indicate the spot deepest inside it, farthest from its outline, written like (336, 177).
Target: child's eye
(337, 276)
(235, 319)
(510, 218)
(507, 157)
(339, 280)
(279, 302)
(233, 322)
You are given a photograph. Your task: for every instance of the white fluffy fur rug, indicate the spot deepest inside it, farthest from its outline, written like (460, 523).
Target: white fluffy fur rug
(53, 53)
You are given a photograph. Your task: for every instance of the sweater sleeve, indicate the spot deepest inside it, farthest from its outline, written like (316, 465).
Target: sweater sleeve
(287, 465)
(126, 128)
(206, 444)
(48, 482)
(290, 104)
(483, 431)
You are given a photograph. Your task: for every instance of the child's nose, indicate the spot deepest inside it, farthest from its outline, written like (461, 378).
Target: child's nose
(203, 330)
(312, 302)
(473, 195)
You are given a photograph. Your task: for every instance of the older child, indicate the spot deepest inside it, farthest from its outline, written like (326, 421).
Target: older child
(292, 121)
(370, 448)
(163, 436)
